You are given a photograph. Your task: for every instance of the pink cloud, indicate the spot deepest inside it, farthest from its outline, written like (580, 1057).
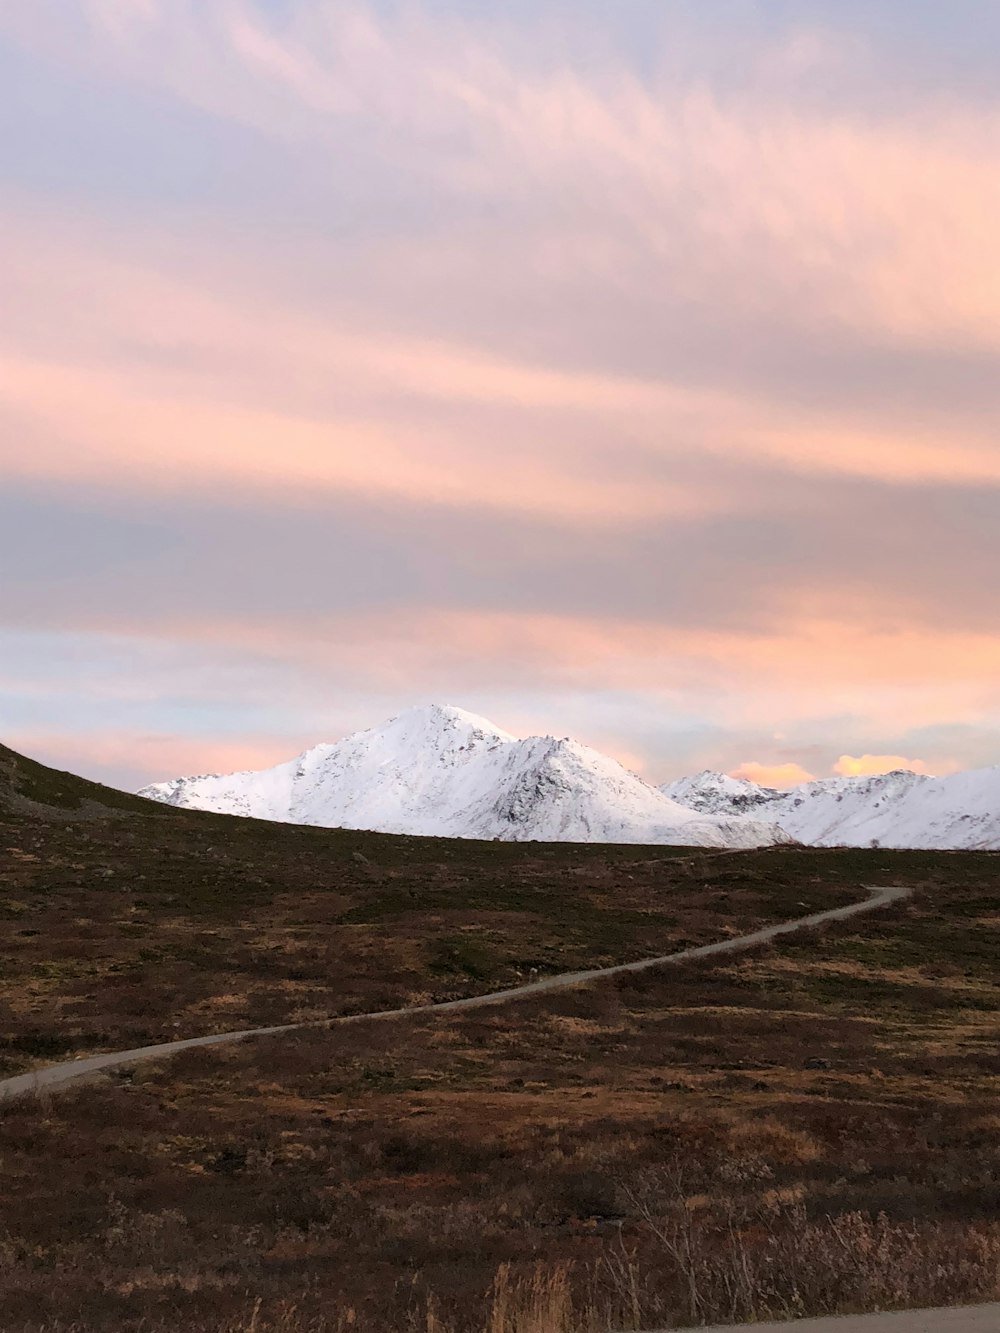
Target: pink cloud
(761, 210)
(104, 426)
(282, 398)
(773, 775)
(897, 678)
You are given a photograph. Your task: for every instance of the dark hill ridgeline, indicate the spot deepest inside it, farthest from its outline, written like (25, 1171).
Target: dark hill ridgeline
(28, 787)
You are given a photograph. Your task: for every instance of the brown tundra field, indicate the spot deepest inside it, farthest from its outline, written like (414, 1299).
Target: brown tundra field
(812, 1127)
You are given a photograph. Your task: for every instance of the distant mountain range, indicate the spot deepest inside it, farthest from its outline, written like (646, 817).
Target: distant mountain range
(900, 809)
(438, 771)
(443, 772)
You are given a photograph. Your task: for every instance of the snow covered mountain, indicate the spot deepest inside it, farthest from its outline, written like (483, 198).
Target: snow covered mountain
(447, 773)
(900, 809)
(716, 793)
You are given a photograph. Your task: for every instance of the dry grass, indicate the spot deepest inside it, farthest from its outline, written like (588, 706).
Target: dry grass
(809, 1129)
(130, 930)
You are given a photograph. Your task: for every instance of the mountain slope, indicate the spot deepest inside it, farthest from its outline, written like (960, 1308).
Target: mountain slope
(447, 773)
(901, 809)
(28, 787)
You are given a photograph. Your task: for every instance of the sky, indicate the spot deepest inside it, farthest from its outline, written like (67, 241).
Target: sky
(627, 372)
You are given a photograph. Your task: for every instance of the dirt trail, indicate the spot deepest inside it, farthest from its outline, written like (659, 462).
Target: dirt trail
(56, 1076)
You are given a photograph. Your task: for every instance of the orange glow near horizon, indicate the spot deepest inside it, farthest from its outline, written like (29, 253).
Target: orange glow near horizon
(868, 765)
(781, 776)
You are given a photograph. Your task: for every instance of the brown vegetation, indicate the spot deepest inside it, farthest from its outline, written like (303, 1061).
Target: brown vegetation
(809, 1129)
(129, 928)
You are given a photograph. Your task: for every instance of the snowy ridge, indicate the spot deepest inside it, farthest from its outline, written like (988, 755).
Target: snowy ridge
(447, 773)
(716, 793)
(900, 809)
(443, 772)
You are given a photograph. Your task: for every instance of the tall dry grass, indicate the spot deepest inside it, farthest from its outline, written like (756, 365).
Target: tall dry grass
(743, 1256)
(706, 1266)
(540, 1301)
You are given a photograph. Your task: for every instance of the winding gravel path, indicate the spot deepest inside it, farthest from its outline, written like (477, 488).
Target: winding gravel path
(57, 1076)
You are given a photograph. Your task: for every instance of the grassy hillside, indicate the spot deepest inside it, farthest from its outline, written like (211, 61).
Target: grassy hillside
(27, 787)
(140, 923)
(811, 1128)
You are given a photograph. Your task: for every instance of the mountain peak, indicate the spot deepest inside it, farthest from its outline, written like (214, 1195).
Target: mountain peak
(714, 793)
(444, 716)
(441, 771)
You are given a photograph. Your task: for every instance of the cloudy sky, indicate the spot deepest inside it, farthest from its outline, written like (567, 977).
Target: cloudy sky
(622, 370)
